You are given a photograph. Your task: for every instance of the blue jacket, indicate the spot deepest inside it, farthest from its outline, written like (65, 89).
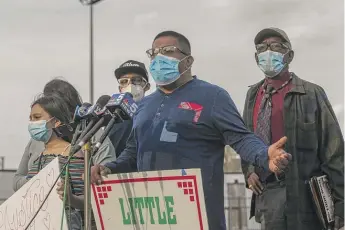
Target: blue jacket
(189, 128)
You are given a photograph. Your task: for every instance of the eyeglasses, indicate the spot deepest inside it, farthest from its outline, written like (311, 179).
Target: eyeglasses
(151, 53)
(123, 82)
(274, 46)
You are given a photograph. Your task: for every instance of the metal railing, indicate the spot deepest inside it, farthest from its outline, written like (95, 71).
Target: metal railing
(237, 212)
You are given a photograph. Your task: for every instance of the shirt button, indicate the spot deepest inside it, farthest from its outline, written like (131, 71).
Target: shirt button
(162, 105)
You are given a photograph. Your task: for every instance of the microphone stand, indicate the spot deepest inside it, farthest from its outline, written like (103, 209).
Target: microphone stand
(87, 186)
(87, 146)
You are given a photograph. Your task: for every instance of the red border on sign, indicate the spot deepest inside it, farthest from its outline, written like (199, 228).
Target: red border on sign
(163, 178)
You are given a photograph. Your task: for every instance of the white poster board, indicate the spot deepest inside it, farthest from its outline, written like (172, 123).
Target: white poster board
(18, 210)
(154, 200)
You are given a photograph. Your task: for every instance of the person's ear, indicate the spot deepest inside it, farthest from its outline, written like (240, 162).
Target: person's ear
(147, 87)
(289, 56)
(57, 123)
(190, 61)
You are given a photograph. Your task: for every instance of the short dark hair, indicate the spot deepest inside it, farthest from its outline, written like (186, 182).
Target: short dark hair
(55, 106)
(182, 40)
(65, 90)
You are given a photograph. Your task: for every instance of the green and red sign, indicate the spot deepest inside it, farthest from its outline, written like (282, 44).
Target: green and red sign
(150, 200)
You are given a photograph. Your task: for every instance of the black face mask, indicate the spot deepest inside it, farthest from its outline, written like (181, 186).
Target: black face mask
(65, 131)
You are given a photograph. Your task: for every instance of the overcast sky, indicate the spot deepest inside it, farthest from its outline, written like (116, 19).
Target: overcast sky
(41, 39)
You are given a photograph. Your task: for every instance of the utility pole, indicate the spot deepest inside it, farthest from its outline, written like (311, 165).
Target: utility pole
(87, 156)
(2, 163)
(90, 4)
(91, 82)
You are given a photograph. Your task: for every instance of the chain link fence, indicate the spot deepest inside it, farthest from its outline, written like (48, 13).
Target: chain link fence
(237, 212)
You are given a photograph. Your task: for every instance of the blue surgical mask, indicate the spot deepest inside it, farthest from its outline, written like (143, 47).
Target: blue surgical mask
(39, 131)
(271, 63)
(164, 70)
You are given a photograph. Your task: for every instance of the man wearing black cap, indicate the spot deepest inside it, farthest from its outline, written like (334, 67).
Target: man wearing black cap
(132, 78)
(284, 105)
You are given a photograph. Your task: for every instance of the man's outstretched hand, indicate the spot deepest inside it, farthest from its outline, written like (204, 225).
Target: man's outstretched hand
(97, 172)
(278, 159)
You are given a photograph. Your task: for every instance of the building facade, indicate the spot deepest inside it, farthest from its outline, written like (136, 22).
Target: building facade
(6, 178)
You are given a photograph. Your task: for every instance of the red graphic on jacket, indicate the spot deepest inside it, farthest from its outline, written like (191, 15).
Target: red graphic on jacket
(194, 107)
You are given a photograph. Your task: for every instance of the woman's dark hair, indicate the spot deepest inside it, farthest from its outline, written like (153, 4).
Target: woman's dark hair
(64, 90)
(56, 107)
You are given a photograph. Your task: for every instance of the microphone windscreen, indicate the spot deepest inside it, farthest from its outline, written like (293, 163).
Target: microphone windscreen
(122, 102)
(80, 111)
(85, 104)
(103, 100)
(130, 94)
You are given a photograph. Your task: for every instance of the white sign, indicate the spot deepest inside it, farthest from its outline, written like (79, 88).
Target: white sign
(154, 200)
(17, 211)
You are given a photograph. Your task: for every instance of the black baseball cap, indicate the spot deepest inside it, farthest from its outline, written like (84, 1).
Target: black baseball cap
(132, 66)
(270, 32)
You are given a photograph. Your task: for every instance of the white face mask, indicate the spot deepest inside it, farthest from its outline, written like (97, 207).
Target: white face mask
(136, 90)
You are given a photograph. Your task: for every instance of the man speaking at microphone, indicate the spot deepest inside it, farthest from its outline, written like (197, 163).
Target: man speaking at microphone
(186, 123)
(132, 78)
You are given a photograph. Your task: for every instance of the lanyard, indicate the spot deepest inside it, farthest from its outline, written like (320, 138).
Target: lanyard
(268, 92)
(276, 90)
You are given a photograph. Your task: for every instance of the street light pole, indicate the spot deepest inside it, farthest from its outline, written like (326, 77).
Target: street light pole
(91, 80)
(87, 147)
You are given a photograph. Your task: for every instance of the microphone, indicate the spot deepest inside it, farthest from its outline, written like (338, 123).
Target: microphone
(88, 135)
(91, 114)
(95, 111)
(123, 105)
(80, 111)
(124, 108)
(103, 111)
(104, 135)
(95, 114)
